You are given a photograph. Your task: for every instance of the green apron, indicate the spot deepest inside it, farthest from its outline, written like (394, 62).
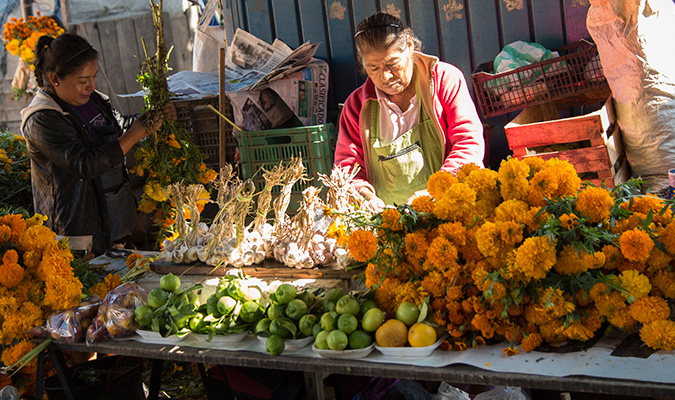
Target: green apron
(402, 167)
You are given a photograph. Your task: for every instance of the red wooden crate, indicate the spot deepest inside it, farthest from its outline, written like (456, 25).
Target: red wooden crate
(591, 142)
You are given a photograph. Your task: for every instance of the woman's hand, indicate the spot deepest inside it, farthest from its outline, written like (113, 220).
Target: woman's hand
(417, 194)
(140, 130)
(168, 111)
(371, 200)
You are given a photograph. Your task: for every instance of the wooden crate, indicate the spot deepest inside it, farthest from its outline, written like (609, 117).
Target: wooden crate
(591, 142)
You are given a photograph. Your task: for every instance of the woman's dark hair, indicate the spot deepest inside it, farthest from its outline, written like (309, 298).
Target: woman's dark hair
(380, 31)
(65, 55)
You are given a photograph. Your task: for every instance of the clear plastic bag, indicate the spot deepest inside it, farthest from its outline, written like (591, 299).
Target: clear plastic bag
(449, 392)
(503, 393)
(115, 316)
(70, 325)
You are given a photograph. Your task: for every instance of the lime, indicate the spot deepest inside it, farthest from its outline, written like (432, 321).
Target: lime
(226, 305)
(295, 309)
(347, 323)
(316, 329)
(320, 340)
(143, 315)
(275, 311)
(306, 324)
(337, 340)
(365, 306)
(263, 327)
(329, 321)
(360, 339)
(285, 293)
(347, 305)
(372, 319)
(278, 328)
(250, 311)
(169, 282)
(332, 296)
(275, 345)
(407, 312)
(196, 322)
(157, 297)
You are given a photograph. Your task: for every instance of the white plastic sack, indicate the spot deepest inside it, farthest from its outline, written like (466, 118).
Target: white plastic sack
(503, 393)
(635, 50)
(208, 41)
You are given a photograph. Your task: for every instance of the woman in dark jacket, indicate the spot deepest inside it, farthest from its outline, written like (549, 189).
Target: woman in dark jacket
(77, 143)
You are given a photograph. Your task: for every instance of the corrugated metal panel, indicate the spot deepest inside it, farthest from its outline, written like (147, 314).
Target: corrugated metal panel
(465, 33)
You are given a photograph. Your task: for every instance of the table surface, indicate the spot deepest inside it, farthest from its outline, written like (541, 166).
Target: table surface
(321, 368)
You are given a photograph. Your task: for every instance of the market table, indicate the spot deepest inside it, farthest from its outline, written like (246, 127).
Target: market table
(578, 371)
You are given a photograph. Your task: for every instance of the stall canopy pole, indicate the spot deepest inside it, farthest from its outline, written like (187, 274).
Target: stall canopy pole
(26, 8)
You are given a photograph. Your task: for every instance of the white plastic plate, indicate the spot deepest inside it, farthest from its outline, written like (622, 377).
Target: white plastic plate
(410, 351)
(155, 337)
(293, 344)
(348, 354)
(220, 339)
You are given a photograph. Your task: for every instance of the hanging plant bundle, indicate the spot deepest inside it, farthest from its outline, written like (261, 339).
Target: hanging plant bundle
(169, 155)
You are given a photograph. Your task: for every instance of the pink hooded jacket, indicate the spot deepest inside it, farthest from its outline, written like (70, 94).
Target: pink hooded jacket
(443, 89)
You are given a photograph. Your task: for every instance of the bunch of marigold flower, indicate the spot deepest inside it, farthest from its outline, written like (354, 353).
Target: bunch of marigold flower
(36, 278)
(527, 255)
(21, 35)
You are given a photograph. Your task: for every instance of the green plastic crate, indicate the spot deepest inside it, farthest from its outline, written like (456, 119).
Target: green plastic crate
(265, 149)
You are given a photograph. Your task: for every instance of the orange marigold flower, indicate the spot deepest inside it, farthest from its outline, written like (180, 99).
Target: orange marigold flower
(16, 223)
(391, 219)
(531, 342)
(416, 245)
(456, 203)
(441, 252)
(595, 204)
(636, 245)
(667, 237)
(483, 181)
(535, 257)
(568, 221)
(439, 182)
(110, 282)
(362, 245)
(423, 204)
(569, 261)
(635, 284)
(374, 276)
(11, 275)
(5, 233)
(513, 181)
(512, 210)
(465, 170)
(385, 295)
(663, 283)
(659, 335)
(649, 308)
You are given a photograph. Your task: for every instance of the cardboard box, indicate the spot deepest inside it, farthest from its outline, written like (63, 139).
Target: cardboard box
(591, 143)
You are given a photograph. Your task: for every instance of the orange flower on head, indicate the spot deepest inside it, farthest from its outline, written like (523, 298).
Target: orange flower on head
(439, 182)
(595, 204)
(391, 219)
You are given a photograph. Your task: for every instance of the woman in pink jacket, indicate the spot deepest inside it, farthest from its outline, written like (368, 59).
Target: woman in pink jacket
(412, 117)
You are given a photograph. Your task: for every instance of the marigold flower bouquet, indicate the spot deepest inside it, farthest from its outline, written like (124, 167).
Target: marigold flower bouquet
(36, 278)
(522, 255)
(169, 155)
(20, 37)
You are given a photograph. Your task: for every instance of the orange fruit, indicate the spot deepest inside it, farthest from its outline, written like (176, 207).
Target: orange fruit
(392, 333)
(421, 334)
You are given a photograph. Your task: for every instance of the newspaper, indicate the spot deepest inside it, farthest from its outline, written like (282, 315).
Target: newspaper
(252, 63)
(259, 110)
(306, 92)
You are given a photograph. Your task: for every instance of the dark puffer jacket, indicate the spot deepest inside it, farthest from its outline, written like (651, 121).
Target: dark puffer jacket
(66, 168)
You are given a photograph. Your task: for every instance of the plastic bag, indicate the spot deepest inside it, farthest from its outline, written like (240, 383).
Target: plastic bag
(637, 61)
(70, 325)
(449, 392)
(115, 316)
(503, 393)
(208, 40)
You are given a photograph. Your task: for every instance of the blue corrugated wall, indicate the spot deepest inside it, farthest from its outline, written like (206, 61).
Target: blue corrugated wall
(465, 33)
